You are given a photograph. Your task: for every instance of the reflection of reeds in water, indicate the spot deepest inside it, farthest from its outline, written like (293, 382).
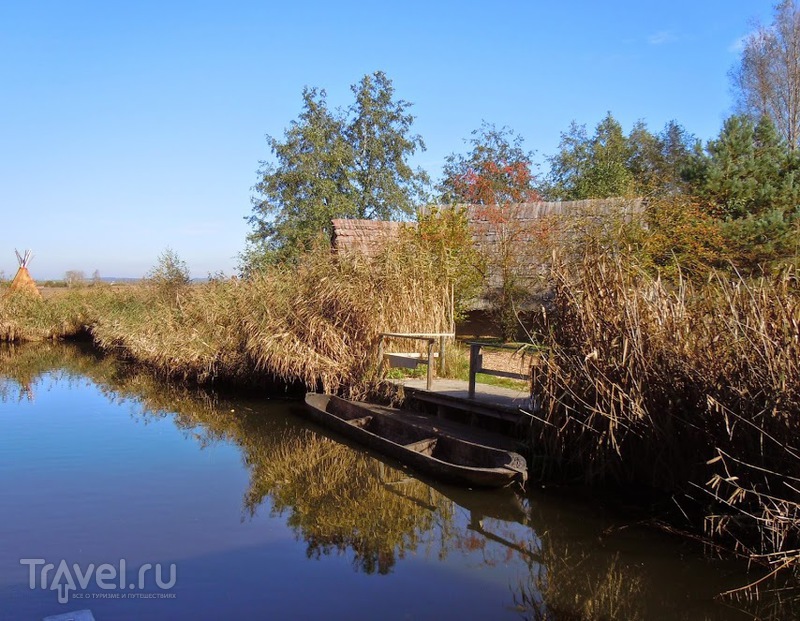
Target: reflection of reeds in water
(567, 587)
(337, 498)
(340, 499)
(22, 365)
(574, 584)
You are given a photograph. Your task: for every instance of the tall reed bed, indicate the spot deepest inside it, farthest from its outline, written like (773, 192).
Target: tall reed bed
(188, 332)
(25, 317)
(691, 388)
(317, 321)
(321, 319)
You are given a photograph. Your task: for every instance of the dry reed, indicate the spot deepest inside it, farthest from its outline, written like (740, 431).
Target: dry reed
(320, 321)
(693, 389)
(316, 322)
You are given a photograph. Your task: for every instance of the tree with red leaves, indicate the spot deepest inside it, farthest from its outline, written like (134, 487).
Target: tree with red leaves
(495, 177)
(497, 171)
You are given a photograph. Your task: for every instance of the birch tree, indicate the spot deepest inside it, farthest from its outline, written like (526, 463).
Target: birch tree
(766, 81)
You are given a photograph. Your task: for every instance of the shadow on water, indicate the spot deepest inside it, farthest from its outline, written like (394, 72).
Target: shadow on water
(571, 560)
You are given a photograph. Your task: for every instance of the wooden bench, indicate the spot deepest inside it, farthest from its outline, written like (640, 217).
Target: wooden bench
(407, 359)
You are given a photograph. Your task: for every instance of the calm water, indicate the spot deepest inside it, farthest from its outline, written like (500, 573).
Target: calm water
(266, 517)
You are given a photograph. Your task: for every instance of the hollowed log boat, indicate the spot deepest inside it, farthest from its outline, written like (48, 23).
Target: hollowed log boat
(440, 456)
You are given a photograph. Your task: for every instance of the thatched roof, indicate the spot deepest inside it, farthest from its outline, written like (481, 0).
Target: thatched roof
(369, 236)
(23, 280)
(526, 216)
(524, 226)
(366, 237)
(514, 231)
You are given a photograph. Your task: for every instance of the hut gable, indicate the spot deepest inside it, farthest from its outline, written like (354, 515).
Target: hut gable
(365, 237)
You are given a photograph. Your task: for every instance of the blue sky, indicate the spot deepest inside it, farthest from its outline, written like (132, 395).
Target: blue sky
(126, 128)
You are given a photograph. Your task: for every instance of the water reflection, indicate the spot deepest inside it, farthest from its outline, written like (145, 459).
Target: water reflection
(558, 561)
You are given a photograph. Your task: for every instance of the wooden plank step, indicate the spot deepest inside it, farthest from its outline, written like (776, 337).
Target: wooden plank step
(472, 406)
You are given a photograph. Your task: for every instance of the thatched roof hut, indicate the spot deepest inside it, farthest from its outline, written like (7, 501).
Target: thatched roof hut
(368, 237)
(514, 231)
(524, 226)
(23, 282)
(525, 217)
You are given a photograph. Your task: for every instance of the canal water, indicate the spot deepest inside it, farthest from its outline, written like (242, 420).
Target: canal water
(142, 500)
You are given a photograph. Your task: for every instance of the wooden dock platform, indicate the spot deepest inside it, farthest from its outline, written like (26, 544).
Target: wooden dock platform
(492, 407)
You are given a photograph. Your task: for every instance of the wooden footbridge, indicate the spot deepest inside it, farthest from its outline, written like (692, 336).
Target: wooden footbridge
(496, 408)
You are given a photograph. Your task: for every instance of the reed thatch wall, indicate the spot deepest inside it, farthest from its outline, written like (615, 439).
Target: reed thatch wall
(509, 235)
(365, 237)
(24, 282)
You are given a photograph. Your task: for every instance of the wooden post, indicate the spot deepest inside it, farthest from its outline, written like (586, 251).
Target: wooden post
(474, 365)
(441, 355)
(380, 355)
(429, 381)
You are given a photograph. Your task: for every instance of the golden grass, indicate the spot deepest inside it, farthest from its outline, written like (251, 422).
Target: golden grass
(321, 320)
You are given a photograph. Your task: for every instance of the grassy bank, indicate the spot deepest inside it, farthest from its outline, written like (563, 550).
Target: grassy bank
(316, 322)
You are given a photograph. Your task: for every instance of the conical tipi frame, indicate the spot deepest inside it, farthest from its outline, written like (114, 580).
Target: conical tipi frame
(22, 281)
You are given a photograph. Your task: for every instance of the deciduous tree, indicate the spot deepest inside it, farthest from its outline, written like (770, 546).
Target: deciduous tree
(74, 278)
(307, 185)
(495, 177)
(610, 164)
(596, 167)
(335, 164)
(496, 171)
(385, 186)
(767, 79)
(170, 273)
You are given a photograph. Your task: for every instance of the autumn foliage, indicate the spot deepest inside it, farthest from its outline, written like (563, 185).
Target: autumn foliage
(496, 183)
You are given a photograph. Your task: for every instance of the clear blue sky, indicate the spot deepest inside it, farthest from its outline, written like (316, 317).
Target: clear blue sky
(129, 127)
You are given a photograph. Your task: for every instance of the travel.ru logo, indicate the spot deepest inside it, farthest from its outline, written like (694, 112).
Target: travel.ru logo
(66, 578)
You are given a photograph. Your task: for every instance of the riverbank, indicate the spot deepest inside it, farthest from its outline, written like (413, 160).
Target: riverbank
(688, 389)
(316, 322)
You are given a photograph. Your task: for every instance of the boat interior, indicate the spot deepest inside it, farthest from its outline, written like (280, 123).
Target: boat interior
(421, 441)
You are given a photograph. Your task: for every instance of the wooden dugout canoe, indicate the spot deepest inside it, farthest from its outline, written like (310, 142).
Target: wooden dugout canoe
(440, 456)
